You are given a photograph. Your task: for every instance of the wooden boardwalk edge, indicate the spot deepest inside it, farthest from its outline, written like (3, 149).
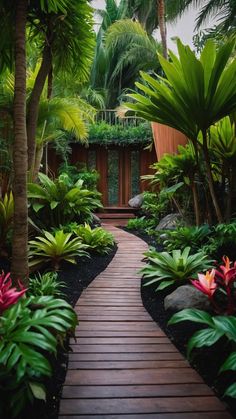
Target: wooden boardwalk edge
(122, 365)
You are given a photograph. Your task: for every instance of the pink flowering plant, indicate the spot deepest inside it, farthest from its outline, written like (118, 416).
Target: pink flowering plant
(9, 295)
(219, 286)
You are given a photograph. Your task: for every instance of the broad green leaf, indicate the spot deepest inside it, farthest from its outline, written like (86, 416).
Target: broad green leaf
(192, 314)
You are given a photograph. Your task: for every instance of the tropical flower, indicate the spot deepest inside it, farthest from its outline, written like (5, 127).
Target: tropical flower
(228, 273)
(206, 283)
(8, 294)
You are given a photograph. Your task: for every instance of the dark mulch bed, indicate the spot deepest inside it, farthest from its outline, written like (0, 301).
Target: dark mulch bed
(77, 277)
(206, 361)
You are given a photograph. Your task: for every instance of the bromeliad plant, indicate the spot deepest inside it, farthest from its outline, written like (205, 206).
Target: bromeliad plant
(29, 330)
(216, 328)
(219, 286)
(173, 269)
(9, 295)
(96, 239)
(194, 237)
(46, 284)
(61, 202)
(54, 248)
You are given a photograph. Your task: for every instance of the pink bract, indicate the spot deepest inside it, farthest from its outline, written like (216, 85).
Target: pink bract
(9, 295)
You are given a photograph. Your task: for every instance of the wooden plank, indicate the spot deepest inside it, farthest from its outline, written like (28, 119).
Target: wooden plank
(122, 326)
(155, 390)
(134, 356)
(118, 365)
(142, 348)
(144, 376)
(121, 341)
(145, 405)
(118, 333)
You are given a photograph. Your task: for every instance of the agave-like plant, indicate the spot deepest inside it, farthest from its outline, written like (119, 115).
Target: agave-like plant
(167, 269)
(54, 248)
(97, 239)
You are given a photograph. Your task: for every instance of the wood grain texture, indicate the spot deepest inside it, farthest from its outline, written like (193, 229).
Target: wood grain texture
(122, 365)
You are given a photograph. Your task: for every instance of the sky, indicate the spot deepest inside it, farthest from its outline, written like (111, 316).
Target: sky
(183, 28)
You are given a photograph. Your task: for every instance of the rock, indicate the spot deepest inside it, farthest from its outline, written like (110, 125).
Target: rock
(169, 222)
(96, 220)
(136, 201)
(186, 296)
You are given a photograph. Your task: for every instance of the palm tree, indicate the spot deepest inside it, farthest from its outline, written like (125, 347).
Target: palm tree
(225, 11)
(20, 235)
(15, 15)
(196, 94)
(72, 29)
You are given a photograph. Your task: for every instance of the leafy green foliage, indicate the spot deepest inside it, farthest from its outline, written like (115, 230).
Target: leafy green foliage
(89, 177)
(222, 241)
(46, 284)
(29, 330)
(104, 133)
(217, 328)
(6, 217)
(96, 239)
(194, 237)
(61, 202)
(54, 248)
(155, 205)
(203, 84)
(141, 223)
(173, 269)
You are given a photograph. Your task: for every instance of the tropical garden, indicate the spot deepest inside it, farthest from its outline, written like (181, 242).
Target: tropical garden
(57, 75)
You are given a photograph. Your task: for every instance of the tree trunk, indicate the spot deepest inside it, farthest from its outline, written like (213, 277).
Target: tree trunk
(19, 267)
(210, 179)
(37, 162)
(33, 109)
(196, 203)
(162, 25)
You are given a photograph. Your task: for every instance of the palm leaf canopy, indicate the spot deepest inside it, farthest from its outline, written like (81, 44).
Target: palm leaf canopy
(195, 93)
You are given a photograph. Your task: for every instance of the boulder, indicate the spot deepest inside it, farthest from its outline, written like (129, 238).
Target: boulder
(186, 296)
(136, 201)
(170, 222)
(96, 220)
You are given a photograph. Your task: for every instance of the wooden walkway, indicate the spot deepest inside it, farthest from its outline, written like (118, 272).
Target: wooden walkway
(123, 366)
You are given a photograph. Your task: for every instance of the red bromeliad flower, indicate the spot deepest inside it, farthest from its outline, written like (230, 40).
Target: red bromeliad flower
(206, 283)
(227, 273)
(8, 294)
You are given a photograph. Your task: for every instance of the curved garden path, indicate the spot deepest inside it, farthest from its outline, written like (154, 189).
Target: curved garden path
(123, 366)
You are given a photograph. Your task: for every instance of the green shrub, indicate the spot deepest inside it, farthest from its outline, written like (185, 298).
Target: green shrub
(58, 202)
(30, 330)
(194, 237)
(216, 327)
(167, 269)
(97, 239)
(89, 177)
(54, 248)
(140, 223)
(104, 133)
(46, 284)
(222, 241)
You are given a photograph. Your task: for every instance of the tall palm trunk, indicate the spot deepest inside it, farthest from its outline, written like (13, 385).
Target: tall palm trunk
(33, 109)
(19, 266)
(162, 25)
